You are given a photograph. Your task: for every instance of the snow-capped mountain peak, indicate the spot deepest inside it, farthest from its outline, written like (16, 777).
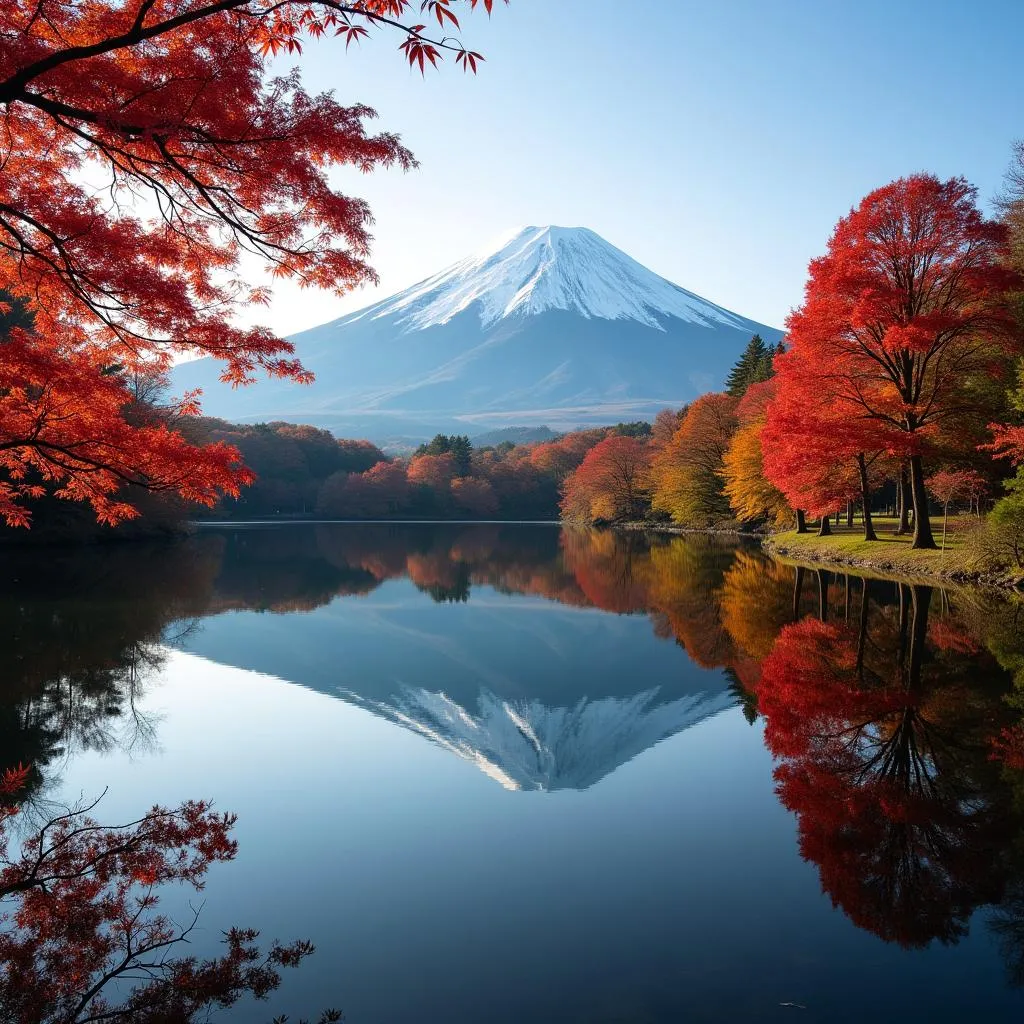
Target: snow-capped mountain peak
(548, 325)
(550, 268)
(524, 744)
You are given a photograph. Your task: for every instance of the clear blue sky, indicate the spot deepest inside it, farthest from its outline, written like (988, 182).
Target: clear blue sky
(715, 142)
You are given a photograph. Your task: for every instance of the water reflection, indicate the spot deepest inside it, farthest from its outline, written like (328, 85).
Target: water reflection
(883, 722)
(893, 712)
(532, 706)
(85, 630)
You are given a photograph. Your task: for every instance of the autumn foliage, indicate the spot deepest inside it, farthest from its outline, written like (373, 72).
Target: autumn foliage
(83, 938)
(687, 473)
(610, 482)
(146, 149)
(903, 317)
(883, 755)
(751, 495)
(895, 732)
(889, 363)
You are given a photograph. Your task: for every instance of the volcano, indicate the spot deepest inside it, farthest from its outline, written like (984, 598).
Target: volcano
(550, 326)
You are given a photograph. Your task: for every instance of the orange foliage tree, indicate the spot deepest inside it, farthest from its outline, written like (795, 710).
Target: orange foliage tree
(474, 495)
(610, 483)
(380, 491)
(433, 471)
(686, 474)
(559, 458)
(146, 148)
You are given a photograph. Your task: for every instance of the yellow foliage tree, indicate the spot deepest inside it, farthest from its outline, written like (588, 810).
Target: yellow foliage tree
(686, 474)
(751, 496)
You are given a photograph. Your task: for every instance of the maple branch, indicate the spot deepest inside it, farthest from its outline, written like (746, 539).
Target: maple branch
(12, 88)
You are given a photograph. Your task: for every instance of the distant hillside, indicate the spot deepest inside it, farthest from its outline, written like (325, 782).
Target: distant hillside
(514, 435)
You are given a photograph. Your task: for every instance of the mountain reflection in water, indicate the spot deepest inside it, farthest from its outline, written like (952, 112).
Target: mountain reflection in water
(892, 712)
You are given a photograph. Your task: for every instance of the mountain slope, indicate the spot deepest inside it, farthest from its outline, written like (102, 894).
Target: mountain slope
(550, 268)
(553, 326)
(524, 744)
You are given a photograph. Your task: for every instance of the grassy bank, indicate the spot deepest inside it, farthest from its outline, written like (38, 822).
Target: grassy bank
(891, 555)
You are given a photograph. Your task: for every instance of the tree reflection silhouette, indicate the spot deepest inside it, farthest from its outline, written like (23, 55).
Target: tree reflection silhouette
(883, 750)
(85, 635)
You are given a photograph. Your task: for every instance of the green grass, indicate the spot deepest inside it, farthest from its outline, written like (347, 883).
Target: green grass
(890, 553)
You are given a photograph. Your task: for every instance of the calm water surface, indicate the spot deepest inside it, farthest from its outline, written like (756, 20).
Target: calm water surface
(516, 774)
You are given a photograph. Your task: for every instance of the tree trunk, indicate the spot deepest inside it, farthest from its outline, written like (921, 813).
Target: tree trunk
(801, 521)
(920, 600)
(922, 524)
(903, 503)
(865, 497)
(862, 632)
(798, 584)
(904, 620)
(825, 526)
(849, 515)
(823, 582)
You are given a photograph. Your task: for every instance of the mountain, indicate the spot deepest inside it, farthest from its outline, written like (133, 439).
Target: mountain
(527, 745)
(551, 326)
(521, 677)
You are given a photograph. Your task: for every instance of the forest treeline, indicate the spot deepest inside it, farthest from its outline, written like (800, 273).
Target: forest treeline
(899, 384)
(303, 470)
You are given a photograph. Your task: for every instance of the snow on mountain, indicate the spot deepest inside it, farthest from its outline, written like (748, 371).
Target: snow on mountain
(549, 326)
(545, 268)
(523, 744)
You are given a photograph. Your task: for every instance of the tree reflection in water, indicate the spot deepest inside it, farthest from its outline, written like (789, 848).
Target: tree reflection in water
(893, 711)
(82, 937)
(884, 755)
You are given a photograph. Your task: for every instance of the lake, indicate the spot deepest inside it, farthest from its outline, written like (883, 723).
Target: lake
(515, 773)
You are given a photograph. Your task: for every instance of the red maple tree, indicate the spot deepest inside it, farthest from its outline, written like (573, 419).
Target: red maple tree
(817, 456)
(1008, 443)
(146, 148)
(902, 316)
(610, 482)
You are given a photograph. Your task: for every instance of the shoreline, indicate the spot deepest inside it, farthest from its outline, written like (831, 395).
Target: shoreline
(668, 528)
(810, 551)
(816, 553)
(888, 569)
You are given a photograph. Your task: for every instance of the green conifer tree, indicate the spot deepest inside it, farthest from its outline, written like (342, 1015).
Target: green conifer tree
(462, 451)
(748, 366)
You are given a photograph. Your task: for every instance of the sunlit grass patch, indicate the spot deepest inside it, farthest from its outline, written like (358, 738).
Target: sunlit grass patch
(890, 552)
